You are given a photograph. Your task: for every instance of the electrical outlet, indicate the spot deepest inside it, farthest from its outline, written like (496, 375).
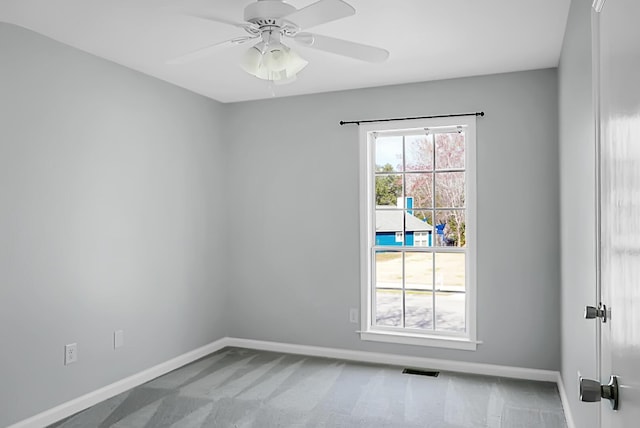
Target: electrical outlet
(353, 315)
(118, 339)
(70, 353)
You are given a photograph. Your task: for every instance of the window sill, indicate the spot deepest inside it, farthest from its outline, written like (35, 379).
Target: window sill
(461, 343)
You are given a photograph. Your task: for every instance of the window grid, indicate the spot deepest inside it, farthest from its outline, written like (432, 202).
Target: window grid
(434, 249)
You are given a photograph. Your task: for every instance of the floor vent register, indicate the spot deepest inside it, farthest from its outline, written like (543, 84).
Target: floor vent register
(430, 373)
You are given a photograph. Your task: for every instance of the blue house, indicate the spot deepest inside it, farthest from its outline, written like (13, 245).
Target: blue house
(393, 230)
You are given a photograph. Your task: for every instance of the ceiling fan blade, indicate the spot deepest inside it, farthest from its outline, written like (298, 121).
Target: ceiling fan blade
(320, 12)
(214, 18)
(342, 47)
(207, 50)
(210, 17)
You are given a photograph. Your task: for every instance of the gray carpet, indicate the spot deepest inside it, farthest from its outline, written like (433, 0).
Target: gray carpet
(242, 388)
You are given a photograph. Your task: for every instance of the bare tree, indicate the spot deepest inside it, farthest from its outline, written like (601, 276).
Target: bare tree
(439, 156)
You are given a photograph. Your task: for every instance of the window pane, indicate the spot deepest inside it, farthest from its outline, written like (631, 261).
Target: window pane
(419, 153)
(388, 154)
(419, 309)
(450, 189)
(420, 189)
(388, 269)
(418, 270)
(450, 150)
(450, 312)
(388, 189)
(418, 228)
(450, 271)
(389, 227)
(389, 308)
(450, 228)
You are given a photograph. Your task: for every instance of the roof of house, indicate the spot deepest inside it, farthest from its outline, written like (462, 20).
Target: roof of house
(391, 221)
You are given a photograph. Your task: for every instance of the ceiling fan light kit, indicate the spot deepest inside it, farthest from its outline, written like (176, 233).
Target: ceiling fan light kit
(269, 21)
(273, 62)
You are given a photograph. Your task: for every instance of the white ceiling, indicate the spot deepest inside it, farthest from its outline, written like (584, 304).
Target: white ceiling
(427, 39)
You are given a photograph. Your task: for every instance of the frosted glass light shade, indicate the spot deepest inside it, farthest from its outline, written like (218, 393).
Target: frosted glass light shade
(275, 58)
(275, 62)
(252, 59)
(295, 63)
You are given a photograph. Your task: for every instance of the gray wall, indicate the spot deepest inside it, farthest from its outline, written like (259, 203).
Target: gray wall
(127, 203)
(111, 209)
(294, 266)
(577, 180)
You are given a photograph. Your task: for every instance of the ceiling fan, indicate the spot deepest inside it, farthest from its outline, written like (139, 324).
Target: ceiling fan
(269, 22)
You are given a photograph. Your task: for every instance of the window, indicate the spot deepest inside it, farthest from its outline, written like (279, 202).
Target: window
(418, 232)
(421, 239)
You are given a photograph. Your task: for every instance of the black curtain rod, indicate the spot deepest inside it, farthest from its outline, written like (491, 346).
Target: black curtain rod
(358, 122)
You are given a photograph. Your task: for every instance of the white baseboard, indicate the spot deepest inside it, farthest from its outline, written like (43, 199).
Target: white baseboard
(398, 360)
(565, 402)
(67, 409)
(83, 402)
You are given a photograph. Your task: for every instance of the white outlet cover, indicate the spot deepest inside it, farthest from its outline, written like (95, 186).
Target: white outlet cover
(70, 353)
(118, 339)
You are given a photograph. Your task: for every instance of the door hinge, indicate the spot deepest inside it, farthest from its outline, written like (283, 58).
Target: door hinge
(591, 312)
(598, 5)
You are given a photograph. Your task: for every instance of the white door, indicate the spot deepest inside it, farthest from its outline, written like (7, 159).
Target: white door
(619, 93)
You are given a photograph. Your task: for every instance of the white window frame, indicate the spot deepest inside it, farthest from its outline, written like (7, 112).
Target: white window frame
(368, 330)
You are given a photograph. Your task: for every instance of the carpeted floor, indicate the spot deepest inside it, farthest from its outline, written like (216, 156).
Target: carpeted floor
(245, 388)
